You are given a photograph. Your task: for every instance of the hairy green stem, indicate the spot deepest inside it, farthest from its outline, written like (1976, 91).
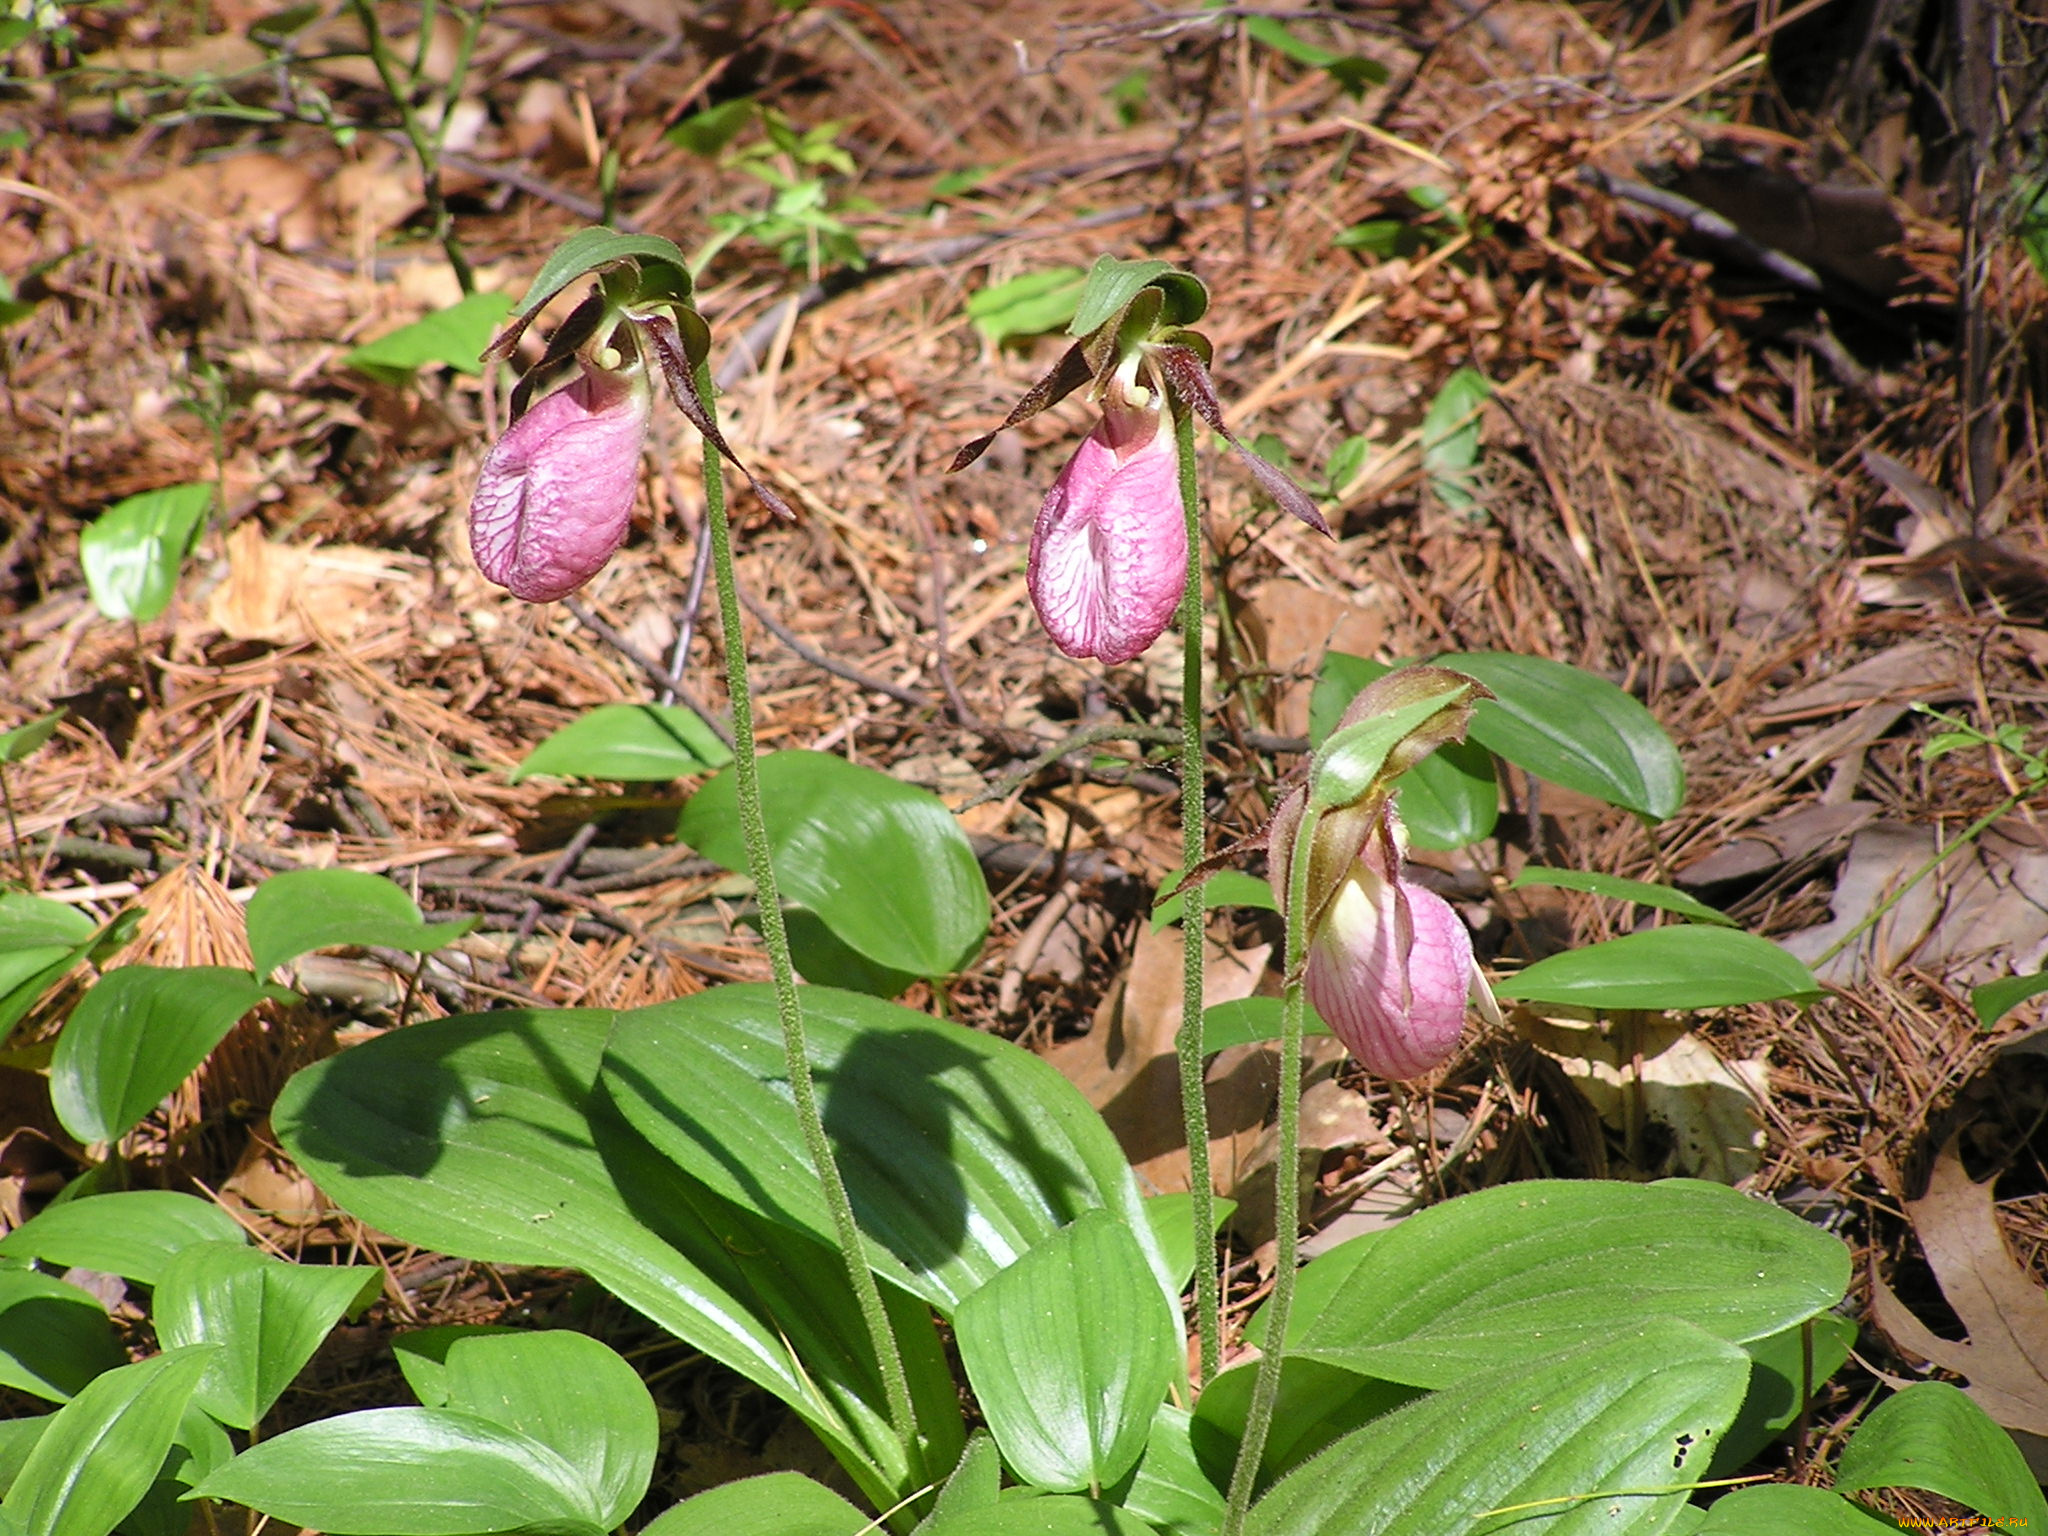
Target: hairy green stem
(1286, 1189)
(1194, 1105)
(788, 1007)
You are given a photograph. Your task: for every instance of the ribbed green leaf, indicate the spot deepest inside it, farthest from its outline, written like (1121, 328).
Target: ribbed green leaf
(1788, 1510)
(1525, 1269)
(960, 1151)
(131, 1233)
(1604, 1437)
(479, 1136)
(1688, 965)
(303, 910)
(638, 743)
(268, 1316)
(54, 1338)
(1933, 1436)
(779, 1504)
(1070, 1351)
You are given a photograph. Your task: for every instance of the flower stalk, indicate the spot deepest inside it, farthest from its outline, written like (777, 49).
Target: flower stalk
(1194, 1102)
(775, 937)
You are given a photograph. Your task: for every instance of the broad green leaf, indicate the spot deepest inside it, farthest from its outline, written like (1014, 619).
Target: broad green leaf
(303, 910)
(961, 1151)
(54, 1338)
(1318, 1284)
(454, 337)
(563, 1389)
(1028, 305)
(1642, 892)
(1785, 1509)
(132, 1233)
(35, 922)
(1574, 729)
(197, 1447)
(268, 1316)
(410, 1472)
(1318, 1405)
(1054, 1514)
(777, 1504)
(1612, 1430)
(25, 739)
(1447, 800)
(479, 1136)
(1252, 1019)
(1352, 71)
(1450, 438)
(881, 863)
(131, 552)
(1933, 1436)
(1069, 1351)
(1225, 888)
(1783, 1376)
(1168, 1488)
(40, 942)
(1685, 966)
(140, 1032)
(640, 743)
(1995, 999)
(590, 250)
(17, 1438)
(1523, 1269)
(100, 1451)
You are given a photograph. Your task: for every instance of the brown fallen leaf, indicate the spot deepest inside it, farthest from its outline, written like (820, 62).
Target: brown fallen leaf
(2005, 1359)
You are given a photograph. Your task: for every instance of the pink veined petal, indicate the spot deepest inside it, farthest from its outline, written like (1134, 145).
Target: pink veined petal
(554, 498)
(1400, 1014)
(1109, 550)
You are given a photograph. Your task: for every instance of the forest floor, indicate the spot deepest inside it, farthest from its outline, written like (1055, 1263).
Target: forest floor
(1729, 466)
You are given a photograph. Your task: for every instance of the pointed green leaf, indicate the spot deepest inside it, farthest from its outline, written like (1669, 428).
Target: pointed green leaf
(410, 1472)
(1684, 966)
(54, 1338)
(961, 1151)
(1643, 892)
(139, 1033)
(1995, 999)
(1053, 1514)
(1933, 1436)
(1225, 888)
(268, 1316)
(1317, 1405)
(479, 1136)
(1030, 304)
(565, 1390)
(1523, 1269)
(1069, 1351)
(454, 337)
(303, 910)
(1574, 729)
(132, 1233)
(881, 863)
(592, 250)
(1248, 1020)
(1111, 286)
(778, 1504)
(1450, 438)
(25, 739)
(132, 551)
(1168, 1488)
(101, 1450)
(976, 1483)
(640, 743)
(1607, 1436)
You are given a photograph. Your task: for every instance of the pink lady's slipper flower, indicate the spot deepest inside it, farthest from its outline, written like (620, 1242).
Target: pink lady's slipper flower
(1109, 552)
(1388, 962)
(555, 496)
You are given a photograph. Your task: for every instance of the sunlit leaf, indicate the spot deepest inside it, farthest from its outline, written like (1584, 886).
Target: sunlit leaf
(1684, 966)
(638, 743)
(131, 552)
(1642, 892)
(302, 910)
(132, 1233)
(1933, 1436)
